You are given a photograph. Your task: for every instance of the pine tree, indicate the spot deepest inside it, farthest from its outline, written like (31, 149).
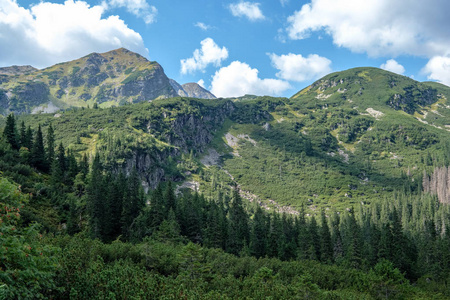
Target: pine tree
(10, 132)
(38, 157)
(258, 237)
(23, 135)
(133, 202)
(238, 233)
(314, 251)
(213, 229)
(169, 198)
(28, 138)
(304, 240)
(326, 246)
(157, 210)
(96, 199)
(50, 145)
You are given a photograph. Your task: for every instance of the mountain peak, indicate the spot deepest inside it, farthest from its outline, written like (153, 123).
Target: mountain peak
(191, 89)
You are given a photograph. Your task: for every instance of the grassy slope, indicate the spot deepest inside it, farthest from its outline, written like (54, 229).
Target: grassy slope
(385, 154)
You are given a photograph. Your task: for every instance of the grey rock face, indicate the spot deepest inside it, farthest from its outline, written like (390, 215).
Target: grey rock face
(196, 91)
(191, 131)
(192, 90)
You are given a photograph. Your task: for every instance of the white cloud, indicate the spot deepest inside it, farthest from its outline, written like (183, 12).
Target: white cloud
(247, 9)
(377, 27)
(284, 2)
(393, 66)
(139, 8)
(438, 68)
(49, 33)
(201, 83)
(295, 67)
(239, 79)
(202, 26)
(210, 53)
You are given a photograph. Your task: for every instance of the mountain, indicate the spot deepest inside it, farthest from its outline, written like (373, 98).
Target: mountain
(107, 79)
(191, 89)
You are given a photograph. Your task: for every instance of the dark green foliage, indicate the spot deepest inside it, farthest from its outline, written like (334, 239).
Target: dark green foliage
(132, 204)
(238, 229)
(326, 245)
(38, 154)
(50, 145)
(10, 132)
(258, 238)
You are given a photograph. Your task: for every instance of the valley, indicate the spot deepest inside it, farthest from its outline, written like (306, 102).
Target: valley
(340, 191)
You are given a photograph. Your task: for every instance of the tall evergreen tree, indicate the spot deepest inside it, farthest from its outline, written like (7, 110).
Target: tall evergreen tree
(95, 199)
(50, 145)
(238, 233)
(23, 135)
(157, 207)
(314, 250)
(133, 202)
(28, 138)
(258, 237)
(326, 246)
(38, 157)
(169, 198)
(10, 131)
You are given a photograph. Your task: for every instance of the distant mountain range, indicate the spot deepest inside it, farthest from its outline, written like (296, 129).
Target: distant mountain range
(107, 79)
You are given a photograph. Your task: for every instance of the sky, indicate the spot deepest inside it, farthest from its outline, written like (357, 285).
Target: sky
(232, 48)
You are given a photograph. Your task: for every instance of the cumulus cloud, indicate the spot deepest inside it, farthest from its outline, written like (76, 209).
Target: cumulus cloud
(248, 10)
(49, 33)
(438, 68)
(139, 8)
(210, 53)
(202, 26)
(201, 83)
(377, 27)
(295, 67)
(393, 66)
(239, 79)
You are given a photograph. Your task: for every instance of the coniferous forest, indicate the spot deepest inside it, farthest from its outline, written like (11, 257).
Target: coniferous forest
(71, 227)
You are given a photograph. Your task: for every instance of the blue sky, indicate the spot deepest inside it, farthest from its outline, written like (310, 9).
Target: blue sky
(273, 47)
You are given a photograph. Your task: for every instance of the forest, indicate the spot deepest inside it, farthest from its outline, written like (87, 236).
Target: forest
(73, 228)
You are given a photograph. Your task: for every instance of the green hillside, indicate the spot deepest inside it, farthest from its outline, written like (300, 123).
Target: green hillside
(340, 192)
(351, 137)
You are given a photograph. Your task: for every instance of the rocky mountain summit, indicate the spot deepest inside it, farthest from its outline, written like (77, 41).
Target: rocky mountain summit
(192, 89)
(105, 79)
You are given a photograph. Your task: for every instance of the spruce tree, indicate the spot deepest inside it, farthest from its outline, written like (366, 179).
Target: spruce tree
(133, 202)
(50, 145)
(96, 199)
(23, 135)
(238, 232)
(28, 138)
(326, 246)
(38, 157)
(10, 132)
(258, 237)
(169, 198)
